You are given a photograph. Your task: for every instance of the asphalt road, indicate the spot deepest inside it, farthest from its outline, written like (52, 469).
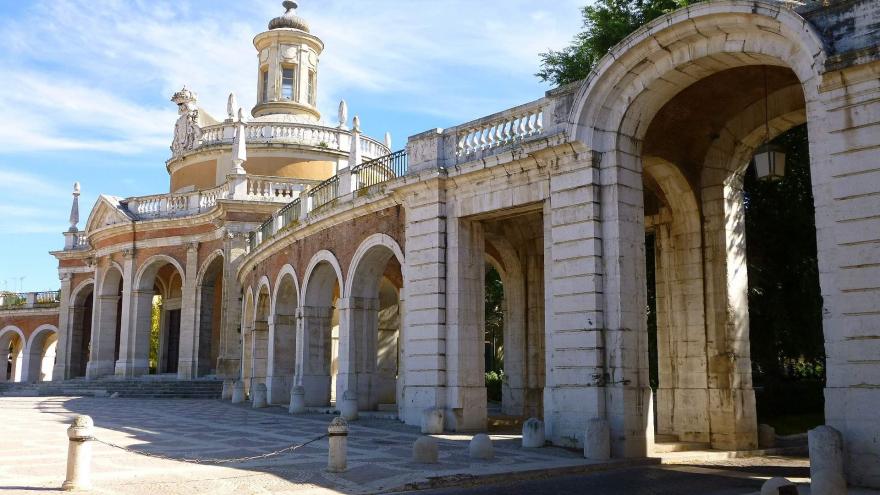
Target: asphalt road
(655, 480)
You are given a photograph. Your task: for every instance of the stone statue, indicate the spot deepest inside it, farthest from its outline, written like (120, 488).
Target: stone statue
(343, 114)
(231, 106)
(187, 132)
(239, 145)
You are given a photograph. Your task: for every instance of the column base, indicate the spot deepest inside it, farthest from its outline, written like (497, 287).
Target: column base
(278, 389)
(98, 369)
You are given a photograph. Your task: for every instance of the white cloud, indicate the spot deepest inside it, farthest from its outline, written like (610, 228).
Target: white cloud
(97, 75)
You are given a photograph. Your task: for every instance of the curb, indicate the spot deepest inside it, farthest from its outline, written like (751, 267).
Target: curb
(470, 480)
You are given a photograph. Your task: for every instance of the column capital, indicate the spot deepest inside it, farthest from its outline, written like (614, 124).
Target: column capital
(128, 253)
(192, 246)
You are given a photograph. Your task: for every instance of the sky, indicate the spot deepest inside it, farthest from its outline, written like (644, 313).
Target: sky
(86, 88)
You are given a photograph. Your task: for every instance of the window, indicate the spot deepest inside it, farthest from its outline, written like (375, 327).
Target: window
(312, 87)
(288, 82)
(264, 85)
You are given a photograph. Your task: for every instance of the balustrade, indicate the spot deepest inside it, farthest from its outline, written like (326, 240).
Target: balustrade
(29, 300)
(510, 127)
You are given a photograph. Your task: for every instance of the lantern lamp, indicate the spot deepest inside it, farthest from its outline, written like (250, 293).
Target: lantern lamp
(770, 162)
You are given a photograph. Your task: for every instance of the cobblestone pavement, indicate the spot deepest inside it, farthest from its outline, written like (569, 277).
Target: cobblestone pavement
(34, 445)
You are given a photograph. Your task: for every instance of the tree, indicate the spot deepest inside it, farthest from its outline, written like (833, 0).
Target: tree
(606, 23)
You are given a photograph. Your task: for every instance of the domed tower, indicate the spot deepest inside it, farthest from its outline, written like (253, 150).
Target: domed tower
(287, 69)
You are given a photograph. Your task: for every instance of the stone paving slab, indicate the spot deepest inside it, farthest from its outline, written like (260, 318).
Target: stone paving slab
(34, 446)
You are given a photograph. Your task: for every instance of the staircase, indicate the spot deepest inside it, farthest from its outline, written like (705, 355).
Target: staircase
(140, 388)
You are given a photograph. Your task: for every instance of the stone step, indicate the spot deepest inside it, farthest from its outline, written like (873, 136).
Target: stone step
(387, 408)
(105, 387)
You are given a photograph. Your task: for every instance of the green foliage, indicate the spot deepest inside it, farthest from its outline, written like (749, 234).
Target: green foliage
(494, 379)
(494, 311)
(606, 23)
(785, 304)
(155, 318)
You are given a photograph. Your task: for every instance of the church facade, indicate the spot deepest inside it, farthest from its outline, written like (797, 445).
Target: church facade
(321, 263)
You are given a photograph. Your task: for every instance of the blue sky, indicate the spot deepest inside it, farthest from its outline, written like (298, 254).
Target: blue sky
(86, 88)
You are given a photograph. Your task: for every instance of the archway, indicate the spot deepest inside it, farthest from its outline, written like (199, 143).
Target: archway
(154, 343)
(81, 305)
(41, 354)
(369, 348)
(317, 356)
(257, 338)
(282, 337)
(688, 76)
(12, 344)
(210, 315)
(106, 325)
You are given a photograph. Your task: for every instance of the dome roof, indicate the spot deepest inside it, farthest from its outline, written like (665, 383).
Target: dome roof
(289, 20)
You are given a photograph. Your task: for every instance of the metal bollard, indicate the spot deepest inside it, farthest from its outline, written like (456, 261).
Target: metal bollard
(337, 456)
(79, 454)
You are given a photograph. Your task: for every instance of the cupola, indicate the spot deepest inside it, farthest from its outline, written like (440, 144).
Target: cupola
(287, 67)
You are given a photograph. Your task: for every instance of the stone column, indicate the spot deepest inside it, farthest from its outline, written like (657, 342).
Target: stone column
(282, 357)
(138, 360)
(423, 330)
(466, 386)
(62, 371)
(358, 336)
(188, 362)
(125, 365)
(259, 352)
(574, 311)
(230, 350)
(313, 349)
(104, 318)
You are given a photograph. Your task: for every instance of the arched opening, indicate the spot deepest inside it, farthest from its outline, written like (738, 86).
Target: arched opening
(210, 299)
(80, 330)
(41, 354)
(282, 337)
(695, 218)
(106, 325)
(318, 357)
(11, 354)
(370, 341)
(514, 318)
(155, 343)
(257, 339)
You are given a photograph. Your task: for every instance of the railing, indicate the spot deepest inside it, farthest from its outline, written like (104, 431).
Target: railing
(325, 192)
(501, 129)
(291, 133)
(365, 175)
(256, 188)
(381, 169)
(29, 300)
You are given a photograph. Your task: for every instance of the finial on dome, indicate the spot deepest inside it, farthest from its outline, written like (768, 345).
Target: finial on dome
(289, 20)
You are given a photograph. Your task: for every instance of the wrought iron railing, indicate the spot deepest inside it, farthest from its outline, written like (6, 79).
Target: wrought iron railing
(380, 170)
(29, 300)
(365, 175)
(325, 192)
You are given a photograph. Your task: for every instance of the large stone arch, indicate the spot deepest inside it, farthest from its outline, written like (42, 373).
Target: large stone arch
(322, 286)
(612, 115)
(39, 359)
(79, 329)
(13, 369)
(257, 338)
(282, 335)
(247, 321)
(135, 350)
(369, 329)
(209, 315)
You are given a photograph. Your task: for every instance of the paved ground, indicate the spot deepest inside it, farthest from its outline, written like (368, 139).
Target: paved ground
(33, 449)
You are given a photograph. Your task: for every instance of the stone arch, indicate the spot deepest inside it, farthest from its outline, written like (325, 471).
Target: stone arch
(79, 336)
(315, 366)
(282, 335)
(258, 336)
(175, 344)
(370, 324)
(209, 315)
(40, 356)
(612, 115)
(12, 363)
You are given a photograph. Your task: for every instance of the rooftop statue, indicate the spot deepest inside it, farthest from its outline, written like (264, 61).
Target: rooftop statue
(187, 132)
